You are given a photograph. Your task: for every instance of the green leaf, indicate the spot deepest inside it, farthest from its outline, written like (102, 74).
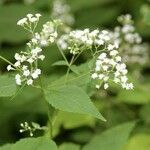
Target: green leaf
(72, 120)
(71, 99)
(139, 142)
(112, 139)
(40, 143)
(6, 147)
(7, 86)
(69, 146)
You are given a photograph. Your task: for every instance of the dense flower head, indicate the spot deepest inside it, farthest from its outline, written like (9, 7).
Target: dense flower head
(109, 65)
(78, 40)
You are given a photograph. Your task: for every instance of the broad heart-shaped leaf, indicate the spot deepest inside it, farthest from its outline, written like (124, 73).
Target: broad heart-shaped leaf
(112, 139)
(69, 146)
(40, 143)
(71, 98)
(7, 86)
(139, 142)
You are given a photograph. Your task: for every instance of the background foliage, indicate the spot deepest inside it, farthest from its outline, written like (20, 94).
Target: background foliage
(116, 105)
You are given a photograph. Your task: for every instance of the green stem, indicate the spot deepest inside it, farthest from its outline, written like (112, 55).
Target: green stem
(68, 70)
(18, 91)
(50, 122)
(50, 111)
(7, 61)
(63, 55)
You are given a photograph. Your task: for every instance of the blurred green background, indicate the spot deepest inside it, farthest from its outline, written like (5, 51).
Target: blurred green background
(116, 105)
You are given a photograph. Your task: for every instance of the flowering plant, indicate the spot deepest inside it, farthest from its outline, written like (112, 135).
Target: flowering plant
(110, 54)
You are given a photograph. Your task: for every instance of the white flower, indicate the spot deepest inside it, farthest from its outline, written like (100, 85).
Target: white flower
(97, 86)
(42, 57)
(102, 56)
(118, 58)
(30, 60)
(26, 73)
(94, 75)
(17, 64)
(110, 47)
(36, 73)
(36, 50)
(29, 82)
(24, 67)
(101, 76)
(99, 42)
(9, 67)
(18, 79)
(38, 15)
(106, 86)
(22, 22)
(17, 56)
(113, 53)
(124, 79)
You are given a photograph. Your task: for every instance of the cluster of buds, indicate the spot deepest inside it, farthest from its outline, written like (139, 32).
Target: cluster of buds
(27, 62)
(25, 127)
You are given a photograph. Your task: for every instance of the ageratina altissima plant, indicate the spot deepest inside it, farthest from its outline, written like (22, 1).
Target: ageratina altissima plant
(27, 61)
(104, 48)
(103, 45)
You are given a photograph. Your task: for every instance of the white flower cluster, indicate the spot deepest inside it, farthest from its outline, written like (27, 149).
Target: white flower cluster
(78, 40)
(27, 62)
(109, 65)
(29, 22)
(61, 10)
(130, 41)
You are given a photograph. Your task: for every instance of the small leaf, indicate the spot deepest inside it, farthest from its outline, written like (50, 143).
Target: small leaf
(112, 139)
(71, 99)
(7, 86)
(69, 146)
(40, 143)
